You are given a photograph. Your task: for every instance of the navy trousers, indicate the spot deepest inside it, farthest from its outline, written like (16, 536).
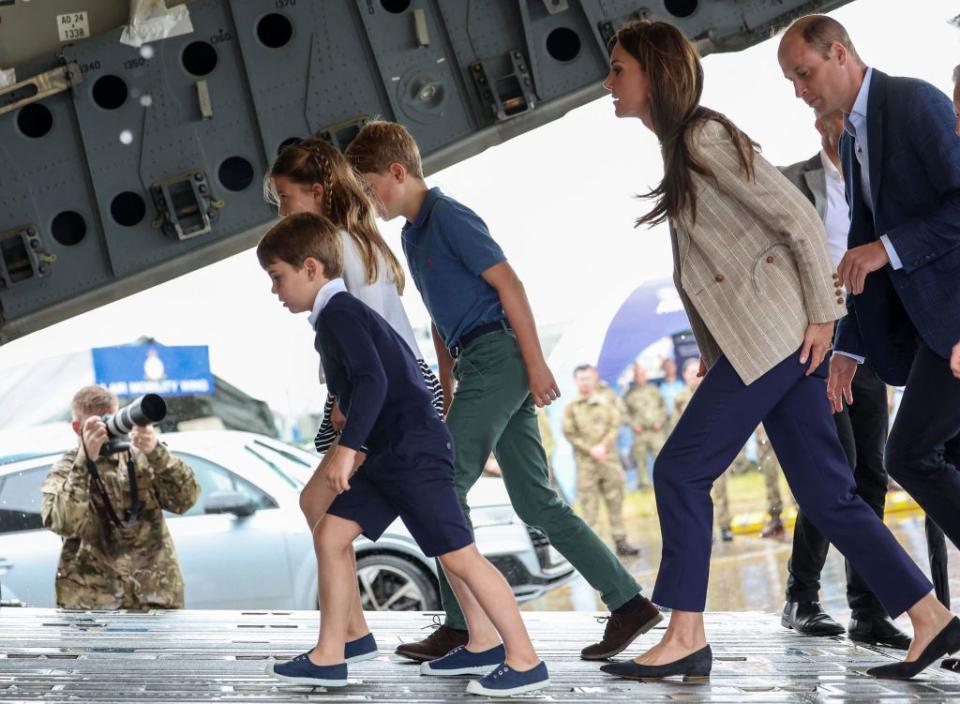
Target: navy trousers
(796, 414)
(924, 442)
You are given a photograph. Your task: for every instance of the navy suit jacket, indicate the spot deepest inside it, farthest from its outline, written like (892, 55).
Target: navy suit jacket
(914, 156)
(373, 375)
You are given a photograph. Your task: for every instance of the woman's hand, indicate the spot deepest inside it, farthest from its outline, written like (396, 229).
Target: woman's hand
(816, 343)
(702, 372)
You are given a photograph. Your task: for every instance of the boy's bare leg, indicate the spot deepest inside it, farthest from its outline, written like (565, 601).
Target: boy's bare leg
(315, 500)
(487, 592)
(338, 586)
(483, 634)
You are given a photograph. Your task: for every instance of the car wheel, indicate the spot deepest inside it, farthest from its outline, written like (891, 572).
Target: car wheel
(393, 583)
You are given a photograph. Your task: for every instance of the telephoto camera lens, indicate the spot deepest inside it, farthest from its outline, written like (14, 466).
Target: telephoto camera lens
(144, 411)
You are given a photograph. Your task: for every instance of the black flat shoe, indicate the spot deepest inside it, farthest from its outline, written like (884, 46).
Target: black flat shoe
(878, 631)
(808, 618)
(696, 664)
(946, 641)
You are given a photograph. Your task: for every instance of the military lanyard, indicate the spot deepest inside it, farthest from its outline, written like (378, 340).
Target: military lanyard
(133, 512)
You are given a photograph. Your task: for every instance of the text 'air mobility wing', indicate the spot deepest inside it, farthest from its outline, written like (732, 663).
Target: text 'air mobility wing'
(134, 136)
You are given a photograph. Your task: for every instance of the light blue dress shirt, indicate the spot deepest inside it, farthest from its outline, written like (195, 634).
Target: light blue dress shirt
(856, 126)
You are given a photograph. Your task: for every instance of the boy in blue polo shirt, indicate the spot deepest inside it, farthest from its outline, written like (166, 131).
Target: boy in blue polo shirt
(485, 337)
(405, 468)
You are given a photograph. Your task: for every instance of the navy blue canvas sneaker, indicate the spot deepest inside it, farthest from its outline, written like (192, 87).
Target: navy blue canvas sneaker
(507, 682)
(461, 661)
(361, 649)
(300, 670)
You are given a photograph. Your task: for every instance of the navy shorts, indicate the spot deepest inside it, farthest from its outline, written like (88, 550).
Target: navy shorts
(413, 479)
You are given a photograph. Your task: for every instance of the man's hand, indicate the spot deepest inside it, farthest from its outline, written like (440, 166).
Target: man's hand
(144, 438)
(543, 387)
(338, 471)
(840, 381)
(93, 437)
(599, 453)
(816, 344)
(955, 360)
(860, 261)
(702, 372)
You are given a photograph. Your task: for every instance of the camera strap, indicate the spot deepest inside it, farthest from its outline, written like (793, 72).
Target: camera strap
(131, 514)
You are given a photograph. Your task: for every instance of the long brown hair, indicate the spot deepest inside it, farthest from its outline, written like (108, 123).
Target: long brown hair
(345, 200)
(676, 84)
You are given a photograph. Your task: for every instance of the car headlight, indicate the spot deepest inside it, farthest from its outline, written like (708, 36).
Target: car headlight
(492, 516)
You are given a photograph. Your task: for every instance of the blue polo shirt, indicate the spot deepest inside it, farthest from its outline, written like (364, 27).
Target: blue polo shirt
(447, 248)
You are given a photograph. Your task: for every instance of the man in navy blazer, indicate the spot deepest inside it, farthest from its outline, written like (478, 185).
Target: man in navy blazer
(901, 163)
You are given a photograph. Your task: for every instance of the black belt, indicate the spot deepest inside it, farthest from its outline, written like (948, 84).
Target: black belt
(456, 349)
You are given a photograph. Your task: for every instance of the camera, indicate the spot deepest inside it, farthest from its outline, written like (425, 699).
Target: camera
(147, 409)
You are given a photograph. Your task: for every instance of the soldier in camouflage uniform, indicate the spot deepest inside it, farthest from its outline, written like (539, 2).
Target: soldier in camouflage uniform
(770, 468)
(590, 424)
(104, 565)
(647, 415)
(721, 495)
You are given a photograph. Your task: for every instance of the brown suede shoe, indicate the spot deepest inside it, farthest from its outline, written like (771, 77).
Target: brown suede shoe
(434, 646)
(622, 630)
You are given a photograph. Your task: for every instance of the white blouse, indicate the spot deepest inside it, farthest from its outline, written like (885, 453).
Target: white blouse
(381, 295)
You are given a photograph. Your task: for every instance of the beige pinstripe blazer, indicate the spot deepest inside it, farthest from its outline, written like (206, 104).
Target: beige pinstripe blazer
(754, 269)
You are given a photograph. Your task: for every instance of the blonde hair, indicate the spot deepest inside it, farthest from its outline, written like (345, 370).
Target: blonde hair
(345, 200)
(92, 401)
(381, 143)
(299, 236)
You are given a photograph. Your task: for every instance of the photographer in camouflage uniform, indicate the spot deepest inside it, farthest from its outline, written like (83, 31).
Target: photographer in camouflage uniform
(117, 552)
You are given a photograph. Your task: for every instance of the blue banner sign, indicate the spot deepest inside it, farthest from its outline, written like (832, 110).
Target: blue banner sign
(134, 370)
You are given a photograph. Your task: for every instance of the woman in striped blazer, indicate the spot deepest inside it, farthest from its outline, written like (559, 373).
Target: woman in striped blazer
(753, 272)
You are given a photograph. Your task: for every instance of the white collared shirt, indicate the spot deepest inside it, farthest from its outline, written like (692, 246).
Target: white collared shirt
(836, 217)
(326, 292)
(855, 124)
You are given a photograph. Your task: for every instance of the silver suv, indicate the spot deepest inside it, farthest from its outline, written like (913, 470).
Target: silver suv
(256, 552)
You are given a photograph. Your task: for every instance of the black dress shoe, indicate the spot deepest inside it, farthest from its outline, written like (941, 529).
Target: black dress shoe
(696, 664)
(945, 642)
(808, 618)
(878, 631)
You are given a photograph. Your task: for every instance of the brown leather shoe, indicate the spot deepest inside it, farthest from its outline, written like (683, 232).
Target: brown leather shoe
(622, 630)
(434, 646)
(774, 529)
(625, 549)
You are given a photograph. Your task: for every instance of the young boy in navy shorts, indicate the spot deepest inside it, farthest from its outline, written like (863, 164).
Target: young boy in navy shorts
(394, 458)
(485, 336)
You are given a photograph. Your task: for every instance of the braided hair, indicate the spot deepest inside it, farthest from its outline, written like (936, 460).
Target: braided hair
(345, 201)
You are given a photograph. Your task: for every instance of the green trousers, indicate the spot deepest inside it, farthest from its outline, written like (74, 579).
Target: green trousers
(492, 410)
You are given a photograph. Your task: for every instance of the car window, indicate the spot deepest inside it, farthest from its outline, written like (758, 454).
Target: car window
(212, 477)
(20, 500)
(290, 467)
